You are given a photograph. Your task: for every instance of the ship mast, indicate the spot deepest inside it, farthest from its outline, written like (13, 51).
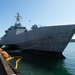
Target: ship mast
(18, 18)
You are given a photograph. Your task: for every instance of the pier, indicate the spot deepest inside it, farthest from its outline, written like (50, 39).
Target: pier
(6, 68)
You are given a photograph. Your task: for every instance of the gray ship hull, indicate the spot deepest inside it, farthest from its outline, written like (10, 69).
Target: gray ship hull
(50, 39)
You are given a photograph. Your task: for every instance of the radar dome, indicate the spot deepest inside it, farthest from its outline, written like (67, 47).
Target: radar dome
(34, 26)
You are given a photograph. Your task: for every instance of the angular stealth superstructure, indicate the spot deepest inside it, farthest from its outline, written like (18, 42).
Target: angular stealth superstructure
(48, 38)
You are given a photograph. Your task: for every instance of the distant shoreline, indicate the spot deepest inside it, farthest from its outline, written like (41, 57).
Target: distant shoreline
(72, 40)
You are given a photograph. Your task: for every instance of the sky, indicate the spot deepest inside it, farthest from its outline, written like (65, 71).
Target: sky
(42, 12)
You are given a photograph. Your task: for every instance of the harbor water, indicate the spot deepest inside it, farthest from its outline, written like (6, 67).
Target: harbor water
(41, 65)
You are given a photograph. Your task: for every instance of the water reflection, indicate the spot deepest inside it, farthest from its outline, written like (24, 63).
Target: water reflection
(34, 64)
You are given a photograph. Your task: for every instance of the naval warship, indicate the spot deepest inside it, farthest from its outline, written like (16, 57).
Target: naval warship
(48, 39)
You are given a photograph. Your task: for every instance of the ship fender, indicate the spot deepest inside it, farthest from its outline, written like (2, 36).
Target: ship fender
(5, 54)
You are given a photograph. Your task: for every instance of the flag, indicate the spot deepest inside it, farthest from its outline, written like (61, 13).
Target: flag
(29, 20)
